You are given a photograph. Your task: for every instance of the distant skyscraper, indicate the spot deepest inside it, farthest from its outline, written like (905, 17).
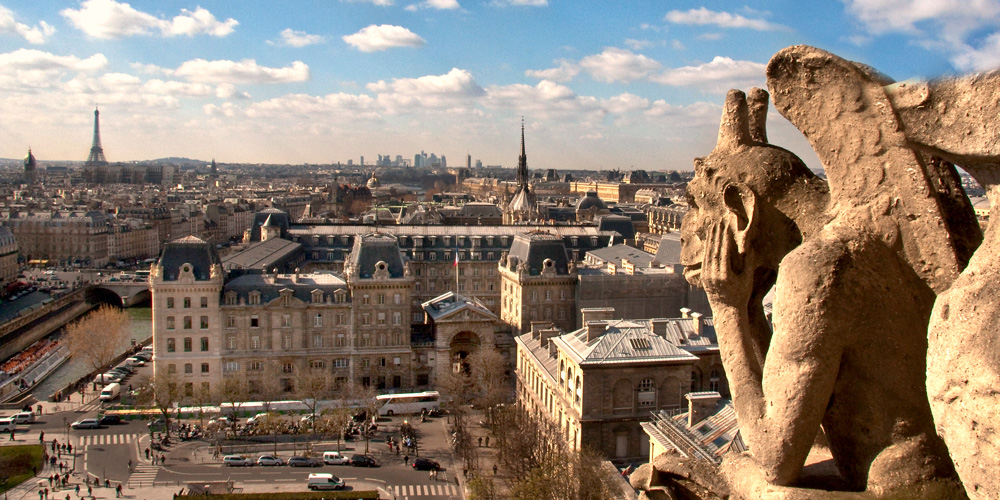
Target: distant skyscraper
(362, 161)
(468, 161)
(215, 168)
(96, 157)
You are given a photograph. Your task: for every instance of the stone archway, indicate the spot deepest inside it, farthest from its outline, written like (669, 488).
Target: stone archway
(462, 345)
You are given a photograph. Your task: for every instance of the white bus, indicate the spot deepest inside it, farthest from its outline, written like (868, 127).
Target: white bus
(414, 402)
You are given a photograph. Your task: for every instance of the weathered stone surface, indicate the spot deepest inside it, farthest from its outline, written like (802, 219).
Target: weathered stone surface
(856, 273)
(673, 477)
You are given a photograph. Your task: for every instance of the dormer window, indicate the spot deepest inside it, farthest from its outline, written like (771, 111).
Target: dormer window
(254, 298)
(230, 298)
(317, 296)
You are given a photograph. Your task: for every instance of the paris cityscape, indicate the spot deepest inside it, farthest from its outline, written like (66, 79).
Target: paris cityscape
(566, 276)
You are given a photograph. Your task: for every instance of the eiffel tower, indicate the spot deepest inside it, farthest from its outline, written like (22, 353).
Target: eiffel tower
(96, 157)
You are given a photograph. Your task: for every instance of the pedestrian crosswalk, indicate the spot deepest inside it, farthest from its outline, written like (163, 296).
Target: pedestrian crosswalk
(98, 439)
(418, 490)
(143, 474)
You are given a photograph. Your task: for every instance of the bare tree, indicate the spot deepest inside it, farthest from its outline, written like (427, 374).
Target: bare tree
(488, 376)
(268, 388)
(364, 395)
(161, 393)
(312, 388)
(525, 441)
(337, 420)
(99, 337)
(233, 390)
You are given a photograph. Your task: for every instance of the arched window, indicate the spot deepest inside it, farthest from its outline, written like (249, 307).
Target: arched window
(647, 392)
(713, 380)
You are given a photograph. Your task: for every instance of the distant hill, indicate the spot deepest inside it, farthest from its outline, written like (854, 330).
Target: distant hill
(173, 160)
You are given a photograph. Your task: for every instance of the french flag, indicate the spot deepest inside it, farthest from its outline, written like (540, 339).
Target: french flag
(456, 259)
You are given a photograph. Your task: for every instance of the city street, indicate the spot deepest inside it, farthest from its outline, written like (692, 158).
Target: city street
(106, 453)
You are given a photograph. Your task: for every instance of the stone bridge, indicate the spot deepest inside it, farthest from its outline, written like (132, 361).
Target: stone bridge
(126, 294)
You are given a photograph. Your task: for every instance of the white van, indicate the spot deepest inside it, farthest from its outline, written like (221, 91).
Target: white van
(110, 392)
(25, 417)
(7, 424)
(324, 481)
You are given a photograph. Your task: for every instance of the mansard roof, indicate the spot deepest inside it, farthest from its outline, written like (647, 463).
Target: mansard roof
(188, 250)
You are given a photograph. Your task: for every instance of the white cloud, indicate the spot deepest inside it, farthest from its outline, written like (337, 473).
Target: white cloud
(634, 44)
(711, 37)
(228, 91)
(245, 71)
(618, 65)
(443, 4)
(31, 59)
(107, 19)
(294, 38)
(454, 90)
(625, 103)
(151, 69)
(34, 35)
(705, 17)
(175, 88)
(984, 57)
(566, 71)
(527, 3)
(383, 37)
(382, 3)
(719, 75)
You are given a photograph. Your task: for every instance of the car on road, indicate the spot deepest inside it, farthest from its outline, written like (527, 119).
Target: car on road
(303, 462)
(7, 424)
(257, 418)
(236, 461)
(363, 461)
(87, 423)
(135, 361)
(110, 420)
(424, 464)
(324, 481)
(335, 458)
(269, 460)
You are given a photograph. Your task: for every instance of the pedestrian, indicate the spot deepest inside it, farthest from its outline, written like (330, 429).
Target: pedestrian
(480, 441)
(40, 494)
(430, 475)
(12, 434)
(130, 465)
(69, 448)
(57, 479)
(406, 459)
(487, 441)
(107, 483)
(41, 437)
(55, 442)
(78, 490)
(494, 469)
(118, 490)
(50, 479)
(147, 453)
(46, 492)
(67, 496)
(90, 491)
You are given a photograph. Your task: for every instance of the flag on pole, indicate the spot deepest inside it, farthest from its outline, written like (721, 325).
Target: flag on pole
(456, 259)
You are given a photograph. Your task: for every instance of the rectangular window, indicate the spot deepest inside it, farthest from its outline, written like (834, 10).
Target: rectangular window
(381, 318)
(286, 341)
(317, 363)
(188, 389)
(287, 368)
(170, 322)
(340, 340)
(381, 361)
(171, 345)
(396, 299)
(187, 322)
(317, 340)
(286, 321)
(231, 342)
(230, 321)
(365, 299)
(187, 344)
(255, 366)
(187, 302)
(366, 319)
(396, 361)
(397, 318)
(204, 368)
(381, 298)
(254, 321)
(171, 368)
(232, 366)
(340, 318)
(341, 363)
(318, 320)
(170, 302)
(365, 363)
(204, 322)
(188, 368)
(204, 302)
(204, 344)
(254, 342)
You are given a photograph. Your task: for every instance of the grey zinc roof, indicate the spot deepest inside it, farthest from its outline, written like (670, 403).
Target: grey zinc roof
(374, 247)
(618, 252)
(480, 209)
(534, 248)
(624, 341)
(669, 251)
(681, 332)
(450, 303)
(188, 250)
(622, 224)
(275, 216)
(263, 254)
(269, 285)
(422, 230)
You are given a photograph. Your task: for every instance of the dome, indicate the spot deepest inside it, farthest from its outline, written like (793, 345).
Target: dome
(29, 161)
(591, 202)
(373, 182)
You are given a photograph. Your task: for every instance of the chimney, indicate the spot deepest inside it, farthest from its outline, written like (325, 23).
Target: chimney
(595, 329)
(659, 326)
(701, 405)
(697, 323)
(546, 335)
(295, 277)
(685, 312)
(536, 327)
(596, 314)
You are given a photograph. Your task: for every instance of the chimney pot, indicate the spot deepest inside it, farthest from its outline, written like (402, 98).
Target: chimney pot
(685, 312)
(596, 329)
(697, 323)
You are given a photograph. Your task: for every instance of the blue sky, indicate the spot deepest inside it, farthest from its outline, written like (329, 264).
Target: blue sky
(623, 84)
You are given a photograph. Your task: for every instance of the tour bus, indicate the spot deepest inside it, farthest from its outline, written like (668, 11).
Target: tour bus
(414, 402)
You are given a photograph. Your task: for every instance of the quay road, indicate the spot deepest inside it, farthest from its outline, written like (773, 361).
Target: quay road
(105, 453)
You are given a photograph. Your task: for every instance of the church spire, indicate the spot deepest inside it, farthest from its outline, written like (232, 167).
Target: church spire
(522, 162)
(96, 151)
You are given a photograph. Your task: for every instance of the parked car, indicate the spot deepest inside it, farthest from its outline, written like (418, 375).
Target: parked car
(303, 462)
(425, 464)
(324, 481)
(110, 420)
(24, 417)
(87, 423)
(335, 458)
(236, 461)
(363, 461)
(7, 424)
(257, 418)
(135, 361)
(269, 460)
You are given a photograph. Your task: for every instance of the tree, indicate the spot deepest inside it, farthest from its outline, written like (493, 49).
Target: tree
(161, 393)
(99, 337)
(337, 420)
(311, 388)
(488, 376)
(267, 389)
(233, 390)
(364, 395)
